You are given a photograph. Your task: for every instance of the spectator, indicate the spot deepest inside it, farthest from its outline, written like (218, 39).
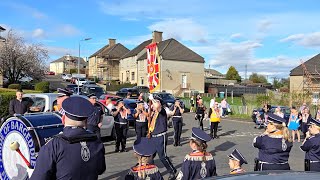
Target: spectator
(305, 120)
(294, 124)
(212, 101)
(301, 109)
(18, 105)
(192, 104)
(278, 112)
(109, 104)
(318, 114)
(224, 106)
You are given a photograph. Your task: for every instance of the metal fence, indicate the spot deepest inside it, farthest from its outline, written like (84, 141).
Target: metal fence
(234, 109)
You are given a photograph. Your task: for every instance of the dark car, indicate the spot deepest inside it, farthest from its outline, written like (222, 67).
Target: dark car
(130, 104)
(168, 98)
(259, 111)
(134, 93)
(92, 89)
(70, 87)
(142, 89)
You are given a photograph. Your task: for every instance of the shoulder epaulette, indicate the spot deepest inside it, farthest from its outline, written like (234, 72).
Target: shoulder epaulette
(198, 156)
(149, 169)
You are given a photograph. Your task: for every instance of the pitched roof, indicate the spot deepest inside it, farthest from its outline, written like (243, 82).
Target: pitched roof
(137, 49)
(213, 72)
(114, 52)
(172, 49)
(312, 65)
(63, 59)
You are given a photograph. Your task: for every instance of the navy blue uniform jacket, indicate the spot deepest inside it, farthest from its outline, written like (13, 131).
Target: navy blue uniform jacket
(312, 148)
(59, 159)
(272, 148)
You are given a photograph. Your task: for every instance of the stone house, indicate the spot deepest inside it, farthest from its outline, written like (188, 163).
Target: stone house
(104, 63)
(67, 62)
(181, 69)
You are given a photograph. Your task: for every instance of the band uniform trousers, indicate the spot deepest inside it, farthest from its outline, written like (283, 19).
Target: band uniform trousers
(177, 126)
(141, 129)
(121, 132)
(265, 167)
(160, 143)
(94, 129)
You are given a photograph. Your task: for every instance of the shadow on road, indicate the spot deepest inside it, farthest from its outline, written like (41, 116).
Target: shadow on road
(223, 147)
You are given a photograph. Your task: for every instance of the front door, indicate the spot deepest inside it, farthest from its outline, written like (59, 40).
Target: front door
(184, 81)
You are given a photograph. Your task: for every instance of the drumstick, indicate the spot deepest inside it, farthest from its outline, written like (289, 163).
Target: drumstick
(14, 146)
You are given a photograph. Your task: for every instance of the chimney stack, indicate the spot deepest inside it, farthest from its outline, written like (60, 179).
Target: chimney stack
(112, 42)
(156, 36)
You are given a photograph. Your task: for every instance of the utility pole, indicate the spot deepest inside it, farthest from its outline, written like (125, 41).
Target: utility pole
(245, 72)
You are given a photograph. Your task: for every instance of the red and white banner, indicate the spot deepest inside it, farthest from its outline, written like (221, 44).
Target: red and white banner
(153, 67)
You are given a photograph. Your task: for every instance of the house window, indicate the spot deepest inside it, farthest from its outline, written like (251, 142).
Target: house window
(132, 76)
(184, 81)
(127, 76)
(141, 81)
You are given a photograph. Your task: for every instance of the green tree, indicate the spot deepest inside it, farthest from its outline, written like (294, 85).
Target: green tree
(233, 74)
(256, 78)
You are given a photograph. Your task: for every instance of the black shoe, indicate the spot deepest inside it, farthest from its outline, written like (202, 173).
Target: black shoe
(174, 145)
(172, 176)
(116, 150)
(124, 150)
(179, 144)
(216, 137)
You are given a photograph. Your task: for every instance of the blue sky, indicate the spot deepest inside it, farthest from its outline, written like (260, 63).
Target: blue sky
(269, 36)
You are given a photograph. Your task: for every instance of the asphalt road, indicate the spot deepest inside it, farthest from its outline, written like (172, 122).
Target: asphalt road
(233, 134)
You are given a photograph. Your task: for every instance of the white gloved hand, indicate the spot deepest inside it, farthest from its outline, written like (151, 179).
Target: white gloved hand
(151, 97)
(29, 171)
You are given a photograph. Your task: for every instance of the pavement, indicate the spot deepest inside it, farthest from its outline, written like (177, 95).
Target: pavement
(233, 134)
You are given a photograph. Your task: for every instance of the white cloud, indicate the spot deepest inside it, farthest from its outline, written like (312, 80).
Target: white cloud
(236, 36)
(264, 25)
(181, 29)
(38, 33)
(67, 30)
(35, 13)
(307, 40)
(60, 51)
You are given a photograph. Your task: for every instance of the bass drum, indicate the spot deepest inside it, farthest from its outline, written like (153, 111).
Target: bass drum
(31, 131)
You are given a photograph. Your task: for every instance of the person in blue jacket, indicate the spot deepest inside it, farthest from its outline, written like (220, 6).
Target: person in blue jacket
(75, 153)
(144, 150)
(198, 164)
(274, 145)
(311, 145)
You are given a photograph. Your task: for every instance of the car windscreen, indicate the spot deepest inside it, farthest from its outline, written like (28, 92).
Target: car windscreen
(166, 96)
(133, 91)
(95, 90)
(82, 79)
(36, 104)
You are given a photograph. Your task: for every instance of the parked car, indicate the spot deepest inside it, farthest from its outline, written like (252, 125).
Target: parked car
(77, 91)
(44, 102)
(70, 87)
(124, 92)
(92, 89)
(67, 77)
(258, 112)
(51, 73)
(103, 98)
(142, 89)
(130, 104)
(90, 82)
(25, 78)
(80, 81)
(168, 98)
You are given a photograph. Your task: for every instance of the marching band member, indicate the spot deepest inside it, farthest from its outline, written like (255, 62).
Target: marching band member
(94, 122)
(141, 114)
(236, 160)
(62, 95)
(311, 145)
(158, 132)
(144, 149)
(75, 153)
(274, 146)
(198, 164)
(177, 112)
(121, 125)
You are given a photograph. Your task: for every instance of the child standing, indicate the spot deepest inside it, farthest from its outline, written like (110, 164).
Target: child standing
(294, 124)
(236, 160)
(199, 163)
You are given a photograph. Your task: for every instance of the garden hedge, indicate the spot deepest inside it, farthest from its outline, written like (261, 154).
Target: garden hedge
(14, 86)
(42, 86)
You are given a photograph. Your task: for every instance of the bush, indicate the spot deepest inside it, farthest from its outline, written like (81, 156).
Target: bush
(14, 86)
(73, 71)
(5, 98)
(42, 86)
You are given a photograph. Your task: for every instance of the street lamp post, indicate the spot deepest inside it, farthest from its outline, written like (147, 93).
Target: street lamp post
(86, 39)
